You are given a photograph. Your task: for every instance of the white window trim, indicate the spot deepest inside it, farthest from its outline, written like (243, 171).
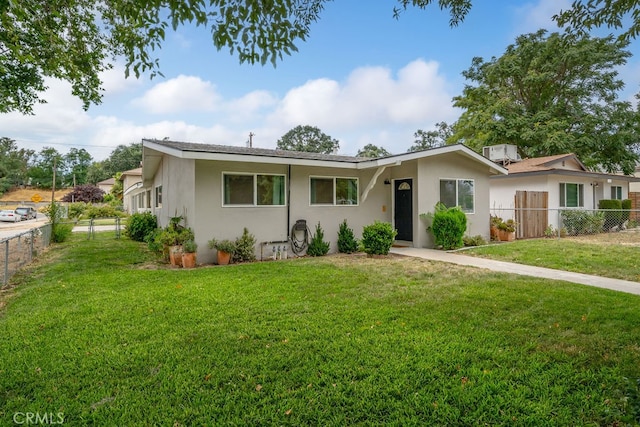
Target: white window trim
(621, 191)
(158, 204)
(472, 212)
(334, 178)
(581, 197)
(255, 189)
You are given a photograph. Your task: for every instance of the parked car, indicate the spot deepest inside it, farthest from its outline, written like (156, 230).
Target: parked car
(27, 212)
(10, 216)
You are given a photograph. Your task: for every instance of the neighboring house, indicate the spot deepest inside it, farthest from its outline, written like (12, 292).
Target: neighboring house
(106, 185)
(219, 190)
(548, 184)
(134, 198)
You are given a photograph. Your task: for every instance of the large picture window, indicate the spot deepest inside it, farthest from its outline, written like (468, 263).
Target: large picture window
(458, 192)
(333, 191)
(571, 195)
(253, 190)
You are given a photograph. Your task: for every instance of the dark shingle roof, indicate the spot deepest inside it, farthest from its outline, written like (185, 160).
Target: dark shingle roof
(264, 152)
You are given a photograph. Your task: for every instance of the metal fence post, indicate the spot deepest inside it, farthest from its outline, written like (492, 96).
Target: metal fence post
(6, 262)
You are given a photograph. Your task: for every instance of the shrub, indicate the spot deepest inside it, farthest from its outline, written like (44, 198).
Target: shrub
(190, 246)
(140, 225)
(347, 242)
(448, 226)
(377, 238)
(612, 210)
(104, 211)
(577, 222)
(477, 240)
(626, 210)
(84, 193)
(153, 241)
(225, 245)
(61, 231)
(77, 209)
(245, 247)
(317, 246)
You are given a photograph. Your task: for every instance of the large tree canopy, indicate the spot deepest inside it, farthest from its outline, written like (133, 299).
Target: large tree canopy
(308, 138)
(425, 140)
(552, 94)
(75, 40)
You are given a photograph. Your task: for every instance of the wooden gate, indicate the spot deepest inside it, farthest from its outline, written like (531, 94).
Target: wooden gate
(532, 215)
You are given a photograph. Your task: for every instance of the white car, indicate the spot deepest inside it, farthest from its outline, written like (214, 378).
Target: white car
(10, 216)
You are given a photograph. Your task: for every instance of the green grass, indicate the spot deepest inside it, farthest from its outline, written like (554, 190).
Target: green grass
(96, 331)
(597, 255)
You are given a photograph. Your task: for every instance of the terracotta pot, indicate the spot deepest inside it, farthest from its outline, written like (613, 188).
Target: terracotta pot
(506, 236)
(189, 259)
(494, 233)
(223, 258)
(175, 255)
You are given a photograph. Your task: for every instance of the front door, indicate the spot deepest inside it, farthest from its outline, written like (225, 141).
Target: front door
(403, 209)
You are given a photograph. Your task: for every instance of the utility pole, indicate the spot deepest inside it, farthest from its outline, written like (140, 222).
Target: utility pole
(53, 186)
(251, 135)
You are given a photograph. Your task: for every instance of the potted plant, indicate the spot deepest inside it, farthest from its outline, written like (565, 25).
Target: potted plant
(189, 248)
(225, 249)
(495, 221)
(507, 230)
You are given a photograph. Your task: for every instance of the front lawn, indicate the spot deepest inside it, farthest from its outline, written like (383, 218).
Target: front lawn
(97, 332)
(612, 255)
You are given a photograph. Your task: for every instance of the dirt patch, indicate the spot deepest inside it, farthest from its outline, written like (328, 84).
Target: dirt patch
(22, 195)
(623, 238)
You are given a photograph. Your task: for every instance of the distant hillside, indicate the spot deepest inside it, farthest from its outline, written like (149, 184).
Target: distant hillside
(25, 195)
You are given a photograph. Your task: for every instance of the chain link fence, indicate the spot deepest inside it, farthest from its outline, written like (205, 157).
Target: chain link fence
(21, 249)
(537, 222)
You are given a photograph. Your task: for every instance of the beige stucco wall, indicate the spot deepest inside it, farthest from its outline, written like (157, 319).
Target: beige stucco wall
(451, 166)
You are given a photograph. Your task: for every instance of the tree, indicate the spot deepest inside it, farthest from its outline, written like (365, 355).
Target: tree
(84, 193)
(96, 173)
(372, 151)
(584, 16)
(309, 139)
(431, 139)
(123, 158)
(41, 171)
(552, 94)
(75, 40)
(77, 162)
(14, 164)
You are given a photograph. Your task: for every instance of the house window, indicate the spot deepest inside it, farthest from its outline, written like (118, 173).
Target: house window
(253, 190)
(616, 192)
(458, 192)
(159, 196)
(333, 191)
(571, 195)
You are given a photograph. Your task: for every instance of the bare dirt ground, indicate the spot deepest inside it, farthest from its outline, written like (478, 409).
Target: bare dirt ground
(25, 195)
(625, 238)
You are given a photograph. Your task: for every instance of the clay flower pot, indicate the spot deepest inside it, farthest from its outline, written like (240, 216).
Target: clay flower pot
(189, 259)
(223, 257)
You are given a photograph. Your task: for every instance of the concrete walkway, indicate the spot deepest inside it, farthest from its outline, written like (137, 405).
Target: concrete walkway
(525, 270)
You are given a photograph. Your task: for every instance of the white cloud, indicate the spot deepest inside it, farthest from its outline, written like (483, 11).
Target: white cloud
(533, 16)
(180, 94)
(370, 97)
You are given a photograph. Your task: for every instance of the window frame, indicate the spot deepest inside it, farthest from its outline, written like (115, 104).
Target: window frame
(579, 196)
(158, 196)
(457, 195)
(618, 191)
(334, 180)
(254, 203)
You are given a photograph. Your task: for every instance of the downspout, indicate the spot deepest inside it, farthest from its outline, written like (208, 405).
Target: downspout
(288, 201)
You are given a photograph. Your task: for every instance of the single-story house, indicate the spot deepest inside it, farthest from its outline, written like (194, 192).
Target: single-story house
(106, 185)
(133, 199)
(540, 187)
(220, 189)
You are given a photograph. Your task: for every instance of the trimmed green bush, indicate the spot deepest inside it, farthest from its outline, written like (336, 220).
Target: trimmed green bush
(245, 247)
(347, 242)
(140, 225)
(317, 246)
(577, 222)
(448, 226)
(378, 238)
(626, 209)
(612, 210)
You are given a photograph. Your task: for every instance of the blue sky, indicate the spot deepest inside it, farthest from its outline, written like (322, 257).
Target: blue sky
(362, 77)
